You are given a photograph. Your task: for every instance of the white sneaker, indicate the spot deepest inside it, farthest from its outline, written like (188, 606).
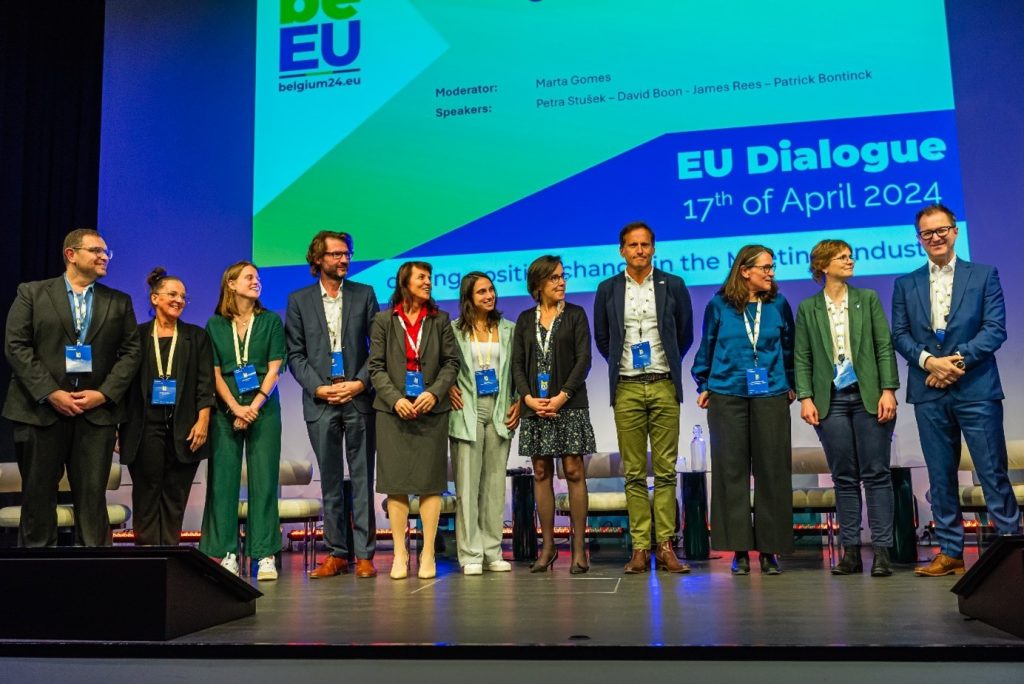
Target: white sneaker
(500, 566)
(472, 569)
(230, 563)
(267, 569)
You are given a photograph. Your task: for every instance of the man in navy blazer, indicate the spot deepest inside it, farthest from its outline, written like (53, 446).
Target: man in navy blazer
(643, 326)
(65, 408)
(948, 320)
(328, 331)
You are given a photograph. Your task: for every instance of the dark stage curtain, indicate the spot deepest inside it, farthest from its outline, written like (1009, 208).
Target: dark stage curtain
(51, 70)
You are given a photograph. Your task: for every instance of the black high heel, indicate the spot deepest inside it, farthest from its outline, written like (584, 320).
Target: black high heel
(537, 567)
(577, 569)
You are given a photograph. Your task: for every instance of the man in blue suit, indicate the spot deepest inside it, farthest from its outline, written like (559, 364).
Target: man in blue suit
(948, 320)
(643, 326)
(328, 331)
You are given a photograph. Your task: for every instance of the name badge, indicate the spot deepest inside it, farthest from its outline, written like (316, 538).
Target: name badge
(845, 375)
(413, 383)
(337, 365)
(757, 381)
(246, 379)
(165, 392)
(940, 334)
(543, 380)
(78, 358)
(486, 381)
(641, 354)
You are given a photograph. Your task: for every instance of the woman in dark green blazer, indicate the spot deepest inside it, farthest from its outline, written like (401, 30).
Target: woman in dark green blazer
(846, 380)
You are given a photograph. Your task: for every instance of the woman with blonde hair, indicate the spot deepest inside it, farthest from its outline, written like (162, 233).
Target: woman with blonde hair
(846, 382)
(248, 350)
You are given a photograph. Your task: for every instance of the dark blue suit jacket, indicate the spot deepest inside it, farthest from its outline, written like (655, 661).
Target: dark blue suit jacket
(309, 342)
(976, 328)
(675, 323)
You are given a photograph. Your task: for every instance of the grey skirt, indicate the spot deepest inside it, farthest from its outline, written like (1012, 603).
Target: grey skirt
(412, 455)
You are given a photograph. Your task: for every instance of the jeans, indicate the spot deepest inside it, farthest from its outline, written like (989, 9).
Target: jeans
(858, 448)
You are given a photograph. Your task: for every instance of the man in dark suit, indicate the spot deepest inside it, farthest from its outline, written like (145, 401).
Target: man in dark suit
(328, 332)
(74, 348)
(643, 326)
(948, 320)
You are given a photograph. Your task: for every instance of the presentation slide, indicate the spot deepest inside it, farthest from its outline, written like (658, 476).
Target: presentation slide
(478, 135)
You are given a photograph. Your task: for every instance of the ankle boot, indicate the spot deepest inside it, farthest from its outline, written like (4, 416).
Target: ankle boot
(639, 562)
(665, 559)
(880, 566)
(851, 563)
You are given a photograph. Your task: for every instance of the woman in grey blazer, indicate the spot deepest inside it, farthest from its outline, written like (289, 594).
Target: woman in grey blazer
(484, 416)
(413, 361)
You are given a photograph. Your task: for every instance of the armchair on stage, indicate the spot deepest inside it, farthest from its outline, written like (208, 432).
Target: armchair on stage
(10, 482)
(301, 510)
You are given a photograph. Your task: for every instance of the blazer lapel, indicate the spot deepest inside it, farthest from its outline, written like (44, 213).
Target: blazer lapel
(857, 317)
(100, 307)
(824, 324)
(316, 302)
(961, 277)
(619, 301)
(346, 306)
(59, 297)
(660, 293)
(924, 293)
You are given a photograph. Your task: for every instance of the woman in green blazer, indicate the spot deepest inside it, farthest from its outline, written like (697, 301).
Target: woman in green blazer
(846, 380)
(484, 416)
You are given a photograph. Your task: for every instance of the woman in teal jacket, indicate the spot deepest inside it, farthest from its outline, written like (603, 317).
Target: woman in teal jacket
(484, 416)
(846, 380)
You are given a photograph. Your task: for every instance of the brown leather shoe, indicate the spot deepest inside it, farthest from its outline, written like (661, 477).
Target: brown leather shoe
(640, 562)
(330, 567)
(942, 565)
(665, 559)
(364, 568)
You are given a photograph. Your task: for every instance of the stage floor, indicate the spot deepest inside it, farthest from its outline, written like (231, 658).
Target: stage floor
(805, 607)
(601, 625)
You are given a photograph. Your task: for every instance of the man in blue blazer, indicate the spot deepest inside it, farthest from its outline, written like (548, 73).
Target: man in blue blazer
(643, 326)
(948, 320)
(328, 331)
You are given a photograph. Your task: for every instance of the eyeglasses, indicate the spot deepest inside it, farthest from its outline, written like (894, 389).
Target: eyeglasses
(338, 255)
(845, 258)
(766, 268)
(557, 278)
(941, 231)
(96, 251)
(176, 295)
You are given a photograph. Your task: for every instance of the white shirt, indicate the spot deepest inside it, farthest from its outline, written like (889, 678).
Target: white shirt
(641, 324)
(839, 324)
(332, 311)
(940, 285)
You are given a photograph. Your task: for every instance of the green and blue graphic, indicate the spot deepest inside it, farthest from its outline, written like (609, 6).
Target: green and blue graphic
(478, 135)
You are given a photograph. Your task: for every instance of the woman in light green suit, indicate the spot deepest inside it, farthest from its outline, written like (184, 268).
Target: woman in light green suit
(484, 416)
(846, 380)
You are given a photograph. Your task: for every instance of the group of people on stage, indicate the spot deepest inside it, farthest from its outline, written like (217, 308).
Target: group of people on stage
(394, 392)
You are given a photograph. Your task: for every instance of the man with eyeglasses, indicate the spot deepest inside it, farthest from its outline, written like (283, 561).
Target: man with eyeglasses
(74, 348)
(328, 331)
(643, 326)
(948, 320)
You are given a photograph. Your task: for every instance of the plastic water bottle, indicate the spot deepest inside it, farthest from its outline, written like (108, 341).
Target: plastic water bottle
(698, 451)
(682, 462)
